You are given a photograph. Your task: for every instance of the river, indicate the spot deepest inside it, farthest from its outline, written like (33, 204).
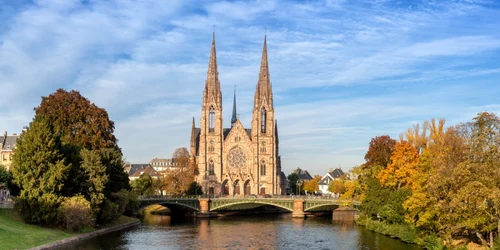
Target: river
(242, 232)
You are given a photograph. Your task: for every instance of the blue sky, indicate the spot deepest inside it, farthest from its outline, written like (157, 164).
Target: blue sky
(343, 72)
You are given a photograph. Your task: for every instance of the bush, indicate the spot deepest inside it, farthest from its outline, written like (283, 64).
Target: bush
(40, 210)
(75, 213)
(127, 202)
(432, 242)
(109, 212)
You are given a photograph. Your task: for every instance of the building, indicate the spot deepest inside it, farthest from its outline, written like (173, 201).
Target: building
(7, 145)
(237, 160)
(325, 181)
(161, 165)
(135, 171)
(303, 174)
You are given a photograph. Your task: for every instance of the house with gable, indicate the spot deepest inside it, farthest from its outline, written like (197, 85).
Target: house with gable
(328, 178)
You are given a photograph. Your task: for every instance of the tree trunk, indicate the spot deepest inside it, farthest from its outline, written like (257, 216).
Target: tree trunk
(491, 239)
(481, 238)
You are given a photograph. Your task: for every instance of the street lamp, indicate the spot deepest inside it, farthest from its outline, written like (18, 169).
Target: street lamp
(299, 182)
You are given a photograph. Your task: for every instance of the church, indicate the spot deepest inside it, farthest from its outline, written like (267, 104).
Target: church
(237, 160)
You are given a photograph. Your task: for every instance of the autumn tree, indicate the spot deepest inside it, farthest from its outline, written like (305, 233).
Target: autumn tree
(478, 201)
(379, 154)
(80, 155)
(83, 125)
(179, 180)
(399, 172)
(336, 186)
(311, 186)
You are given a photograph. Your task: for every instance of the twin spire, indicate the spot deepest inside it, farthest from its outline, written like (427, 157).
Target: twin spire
(263, 92)
(212, 85)
(264, 89)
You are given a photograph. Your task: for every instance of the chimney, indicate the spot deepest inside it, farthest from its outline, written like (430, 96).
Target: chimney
(331, 170)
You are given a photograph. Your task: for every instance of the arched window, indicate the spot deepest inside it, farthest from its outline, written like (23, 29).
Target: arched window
(211, 120)
(211, 168)
(263, 121)
(262, 167)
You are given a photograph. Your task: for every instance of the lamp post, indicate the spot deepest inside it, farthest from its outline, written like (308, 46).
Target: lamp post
(299, 182)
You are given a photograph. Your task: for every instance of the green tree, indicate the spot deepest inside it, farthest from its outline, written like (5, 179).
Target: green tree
(5, 176)
(143, 185)
(81, 124)
(293, 178)
(194, 189)
(38, 168)
(37, 165)
(96, 177)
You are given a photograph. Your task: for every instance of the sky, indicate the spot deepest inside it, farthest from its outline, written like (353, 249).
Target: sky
(342, 71)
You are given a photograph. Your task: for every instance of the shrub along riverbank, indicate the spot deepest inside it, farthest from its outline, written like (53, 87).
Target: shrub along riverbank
(405, 232)
(15, 234)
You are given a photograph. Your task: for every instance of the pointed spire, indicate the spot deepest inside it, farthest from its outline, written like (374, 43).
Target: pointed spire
(264, 89)
(234, 118)
(212, 84)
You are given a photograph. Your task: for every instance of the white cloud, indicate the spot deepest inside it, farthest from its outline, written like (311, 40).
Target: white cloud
(342, 72)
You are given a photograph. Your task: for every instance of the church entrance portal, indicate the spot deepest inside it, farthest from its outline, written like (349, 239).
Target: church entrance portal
(247, 187)
(225, 188)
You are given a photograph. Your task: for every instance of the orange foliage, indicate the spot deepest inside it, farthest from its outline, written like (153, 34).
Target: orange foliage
(403, 165)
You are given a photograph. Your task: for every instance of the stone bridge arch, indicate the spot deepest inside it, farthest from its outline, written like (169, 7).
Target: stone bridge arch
(251, 203)
(183, 204)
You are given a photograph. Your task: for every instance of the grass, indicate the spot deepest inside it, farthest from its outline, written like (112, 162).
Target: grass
(15, 234)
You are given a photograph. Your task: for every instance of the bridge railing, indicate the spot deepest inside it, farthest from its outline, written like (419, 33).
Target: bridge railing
(286, 197)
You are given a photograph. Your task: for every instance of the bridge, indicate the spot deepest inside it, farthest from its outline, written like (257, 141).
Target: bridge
(208, 207)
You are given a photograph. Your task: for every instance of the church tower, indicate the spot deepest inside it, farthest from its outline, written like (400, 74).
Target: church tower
(263, 131)
(236, 160)
(211, 122)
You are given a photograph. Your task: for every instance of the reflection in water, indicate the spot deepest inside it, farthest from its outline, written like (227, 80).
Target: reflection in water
(243, 232)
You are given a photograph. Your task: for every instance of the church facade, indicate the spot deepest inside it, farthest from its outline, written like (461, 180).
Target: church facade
(237, 160)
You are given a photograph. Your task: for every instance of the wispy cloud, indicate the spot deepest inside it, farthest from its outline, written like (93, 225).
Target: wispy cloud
(342, 71)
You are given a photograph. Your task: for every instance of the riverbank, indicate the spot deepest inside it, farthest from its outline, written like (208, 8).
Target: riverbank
(405, 232)
(15, 234)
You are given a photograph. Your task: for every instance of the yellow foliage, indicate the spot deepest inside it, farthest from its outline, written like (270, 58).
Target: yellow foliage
(401, 169)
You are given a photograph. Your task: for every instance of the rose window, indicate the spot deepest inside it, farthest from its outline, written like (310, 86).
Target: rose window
(236, 158)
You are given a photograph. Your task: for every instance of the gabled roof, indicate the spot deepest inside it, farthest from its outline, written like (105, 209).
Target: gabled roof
(335, 174)
(303, 174)
(130, 169)
(145, 169)
(9, 143)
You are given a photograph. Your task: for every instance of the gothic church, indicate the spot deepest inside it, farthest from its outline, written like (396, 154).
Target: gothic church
(235, 160)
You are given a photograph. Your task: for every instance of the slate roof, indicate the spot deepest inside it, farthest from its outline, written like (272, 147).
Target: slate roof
(162, 162)
(10, 142)
(130, 169)
(335, 174)
(303, 174)
(145, 169)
